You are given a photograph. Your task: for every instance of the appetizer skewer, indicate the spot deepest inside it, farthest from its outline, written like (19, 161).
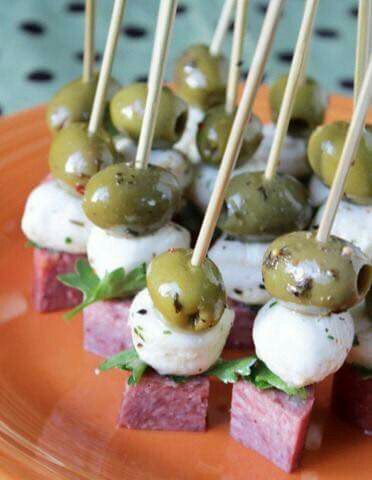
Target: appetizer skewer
(131, 206)
(314, 279)
(180, 322)
(260, 206)
(77, 152)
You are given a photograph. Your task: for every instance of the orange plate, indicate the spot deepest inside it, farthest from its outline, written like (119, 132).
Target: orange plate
(57, 418)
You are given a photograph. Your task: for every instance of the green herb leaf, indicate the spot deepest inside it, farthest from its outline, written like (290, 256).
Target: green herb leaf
(229, 371)
(115, 284)
(365, 373)
(263, 378)
(31, 244)
(126, 360)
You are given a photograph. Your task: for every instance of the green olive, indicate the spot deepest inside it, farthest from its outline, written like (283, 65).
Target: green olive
(73, 102)
(334, 275)
(75, 156)
(139, 200)
(213, 134)
(324, 151)
(127, 108)
(256, 207)
(192, 298)
(309, 106)
(200, 78)
(369, 302)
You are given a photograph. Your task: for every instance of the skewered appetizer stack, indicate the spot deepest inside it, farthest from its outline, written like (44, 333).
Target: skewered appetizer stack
(77, 152)
(258, 207)
(305, 332)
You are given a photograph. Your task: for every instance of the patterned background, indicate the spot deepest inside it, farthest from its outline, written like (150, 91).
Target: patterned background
(41, 42)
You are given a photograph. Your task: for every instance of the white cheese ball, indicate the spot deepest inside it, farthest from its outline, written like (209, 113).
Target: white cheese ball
(318, 192)
(108, 250)
(353, 223)
(240, 266)
(293, 156)
(301, 349)
(187, 143)
(176, 163)
(361, 353)
(126, 146)
(202, 185)
(53, 218)
(171, 351)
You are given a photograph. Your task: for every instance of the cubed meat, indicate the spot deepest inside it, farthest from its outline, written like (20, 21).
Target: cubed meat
(352, 397)
(49, 294)
(240, 336)
(106, 328)
(159, 403)
(271, 422)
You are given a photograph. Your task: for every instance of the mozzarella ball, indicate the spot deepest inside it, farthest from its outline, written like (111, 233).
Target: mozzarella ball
(301, 349)
(293, 157)
(126, 146)
(175, 162)
(318, 192)
(187, 143)
(240, 265)
(361, 353)
(202, 185)
(109, 250)
(353, 223)
(171, 351)
(53, 218)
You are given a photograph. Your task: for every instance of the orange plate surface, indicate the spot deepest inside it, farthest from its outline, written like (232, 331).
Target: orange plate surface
(57, 418)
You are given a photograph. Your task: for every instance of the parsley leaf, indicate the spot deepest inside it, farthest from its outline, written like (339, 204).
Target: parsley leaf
(263, 378)
(229, 371)
(178, 378)
(116, 284)
(32, 244)
(126, 360)
(365, 373)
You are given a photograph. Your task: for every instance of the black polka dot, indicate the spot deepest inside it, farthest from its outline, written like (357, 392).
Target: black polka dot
(285, 56)
(262, 7)
(326, 32)
(231, 26)
(347, 83)
(80, 56)
(40, 75)
(353, 11)
(181, 8)
(32, 27)
(75, 7)
(141, 78)
(134, 31)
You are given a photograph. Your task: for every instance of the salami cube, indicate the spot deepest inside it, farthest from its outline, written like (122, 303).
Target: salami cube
(159, 403)
(352, 397)
(49, 294)
(240, 336)
(271, 422)
(106, 328)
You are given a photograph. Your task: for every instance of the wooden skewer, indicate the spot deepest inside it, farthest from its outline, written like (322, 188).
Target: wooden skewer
(236, 55)
(88, 61)
(293, 82)
(349, 150)
(237, 131)
(104, 74)
(363, 47)
(221, 28)
(166, 16)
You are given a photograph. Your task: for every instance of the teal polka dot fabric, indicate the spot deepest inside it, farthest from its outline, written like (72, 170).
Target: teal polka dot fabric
(41, 42)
